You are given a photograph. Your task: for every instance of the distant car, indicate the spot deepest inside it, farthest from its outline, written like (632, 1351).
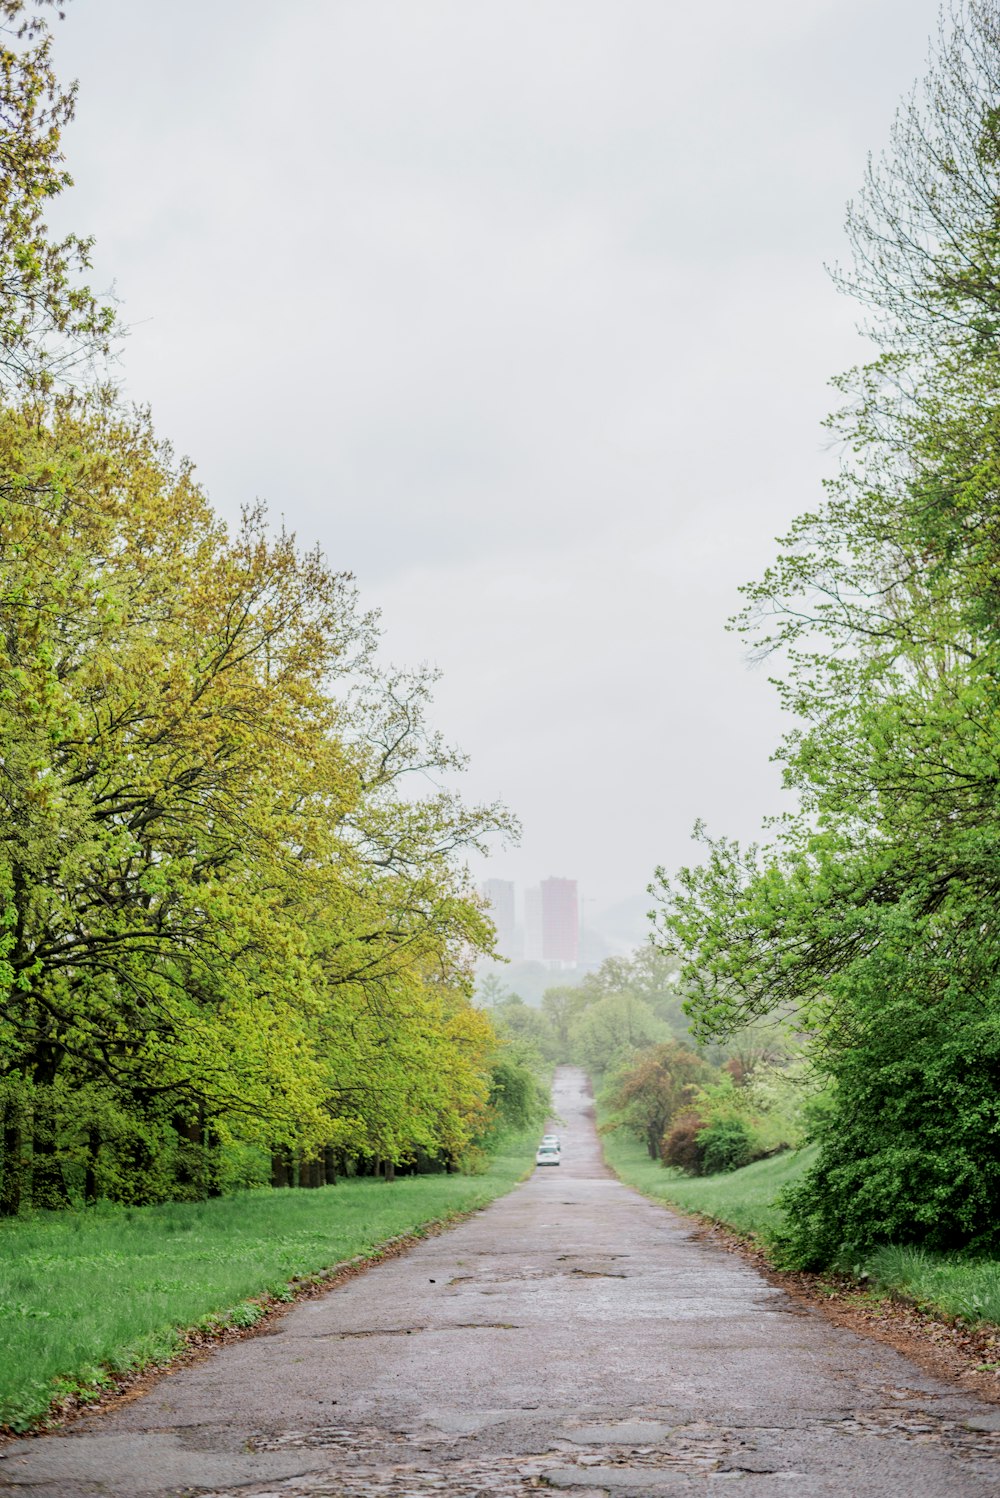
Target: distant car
(547, 1154)
(552, 1140)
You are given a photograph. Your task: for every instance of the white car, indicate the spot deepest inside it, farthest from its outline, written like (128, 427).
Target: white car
(548, 1154)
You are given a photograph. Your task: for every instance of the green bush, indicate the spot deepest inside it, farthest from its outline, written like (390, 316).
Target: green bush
(725, 1145)
(910, 1153)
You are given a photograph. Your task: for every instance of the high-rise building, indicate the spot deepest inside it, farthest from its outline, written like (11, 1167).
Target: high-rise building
(499, 895)
(533, 924)
(560, 921)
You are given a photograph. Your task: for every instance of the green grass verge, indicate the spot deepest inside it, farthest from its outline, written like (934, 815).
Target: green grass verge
(958, 1286)
(86, 1296)
(742, 1199)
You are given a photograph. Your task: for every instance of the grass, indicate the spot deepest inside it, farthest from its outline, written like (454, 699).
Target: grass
(88, 1295)
(958, 1286)
(743, 1199)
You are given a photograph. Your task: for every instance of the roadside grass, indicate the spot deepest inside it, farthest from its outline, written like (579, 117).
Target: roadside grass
(958, 1286)
(742, 1199)
(86, 1296)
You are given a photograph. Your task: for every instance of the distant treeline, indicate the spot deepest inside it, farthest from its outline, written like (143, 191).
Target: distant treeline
(702, 1108)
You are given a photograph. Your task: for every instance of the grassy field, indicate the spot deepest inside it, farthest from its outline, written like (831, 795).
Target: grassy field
(86, 1295)
(744, 1199)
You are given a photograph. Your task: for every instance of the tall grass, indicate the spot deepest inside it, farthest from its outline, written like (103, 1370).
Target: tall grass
(97, 1292)
(947, 1282)
(743, 1199)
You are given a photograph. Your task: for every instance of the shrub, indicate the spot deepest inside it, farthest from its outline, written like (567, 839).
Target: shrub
(681, 1145)
(726, 1144)
(908, 1153)
(656, 1086)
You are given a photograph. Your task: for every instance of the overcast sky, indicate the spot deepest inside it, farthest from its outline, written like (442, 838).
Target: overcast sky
(517, 307)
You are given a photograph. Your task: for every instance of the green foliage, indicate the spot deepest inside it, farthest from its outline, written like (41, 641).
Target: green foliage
(629, 1002)
(909, 1153)
(873, 917)
(610, 1031)
(695, 1116)
(88, 1294)
(725, 1145)
(561, 1005)
(529, 1028)
(745, 1199)
(646, 1093)
(519, 1098)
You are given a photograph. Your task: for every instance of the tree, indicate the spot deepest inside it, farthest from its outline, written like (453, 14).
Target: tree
(518, 1099)
(516, 1020)
(490, 991)
(222, 916)
(50, 324)
(657, 1085)
(561, 1004)
(874, 914)
(609, 1032)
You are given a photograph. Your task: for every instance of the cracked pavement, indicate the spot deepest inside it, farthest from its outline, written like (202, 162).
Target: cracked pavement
(572, 1336)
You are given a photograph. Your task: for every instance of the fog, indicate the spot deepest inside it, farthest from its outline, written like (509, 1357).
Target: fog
(518, 307)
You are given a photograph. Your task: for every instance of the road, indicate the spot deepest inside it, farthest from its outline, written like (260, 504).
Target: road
(573, 1336)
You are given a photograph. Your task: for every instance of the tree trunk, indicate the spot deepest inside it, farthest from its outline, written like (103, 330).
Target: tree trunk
(48, 1185)
(310, 1173)
(280, 1173)
(188, 1131)
(12, 1183)
(93, 1154)
(390, 1170)
(329, 1166)
(213, 1158)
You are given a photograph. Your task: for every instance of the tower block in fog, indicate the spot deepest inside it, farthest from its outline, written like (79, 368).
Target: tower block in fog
(560, 921)
(499, 895)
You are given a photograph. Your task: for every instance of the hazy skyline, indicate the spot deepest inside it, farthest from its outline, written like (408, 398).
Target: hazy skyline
(520, 311)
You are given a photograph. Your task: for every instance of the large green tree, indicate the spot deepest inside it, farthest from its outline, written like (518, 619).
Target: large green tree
(874, 915)
(222, 910)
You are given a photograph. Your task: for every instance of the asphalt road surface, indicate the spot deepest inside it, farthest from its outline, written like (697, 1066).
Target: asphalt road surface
(572, 1336)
